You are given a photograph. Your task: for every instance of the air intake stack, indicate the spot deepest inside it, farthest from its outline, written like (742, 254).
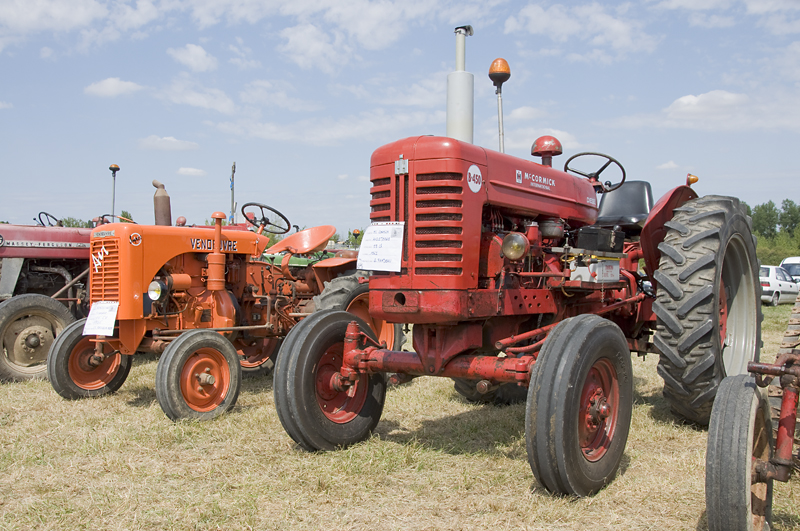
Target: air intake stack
(460, 92)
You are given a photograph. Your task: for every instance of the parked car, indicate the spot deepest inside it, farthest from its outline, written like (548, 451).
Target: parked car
(792, 265)
(777, 285)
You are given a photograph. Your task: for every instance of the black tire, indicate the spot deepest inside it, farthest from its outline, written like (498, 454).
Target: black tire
(198, 376)
(567, 454)
(348, 294)
(502, 395)
(775, 299)
(739, 431)
(258, 360)
(29, 324)
(69, 372)
(709, 244)
(315, 415)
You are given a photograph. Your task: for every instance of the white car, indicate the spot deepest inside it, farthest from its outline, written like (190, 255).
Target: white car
(792, 265)
(777, 285)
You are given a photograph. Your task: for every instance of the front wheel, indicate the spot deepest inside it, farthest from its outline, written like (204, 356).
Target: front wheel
(739, 434)
(314, 413)
(580, 401)
(29, 324)
(71, 371)
(775, 299)
(198, 376)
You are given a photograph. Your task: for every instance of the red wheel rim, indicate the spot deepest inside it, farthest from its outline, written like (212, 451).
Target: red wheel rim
(85, 375)
(599, 404)
(723, 313)
(254, 356)
(360, 308)
(205, 379)
(338, 406)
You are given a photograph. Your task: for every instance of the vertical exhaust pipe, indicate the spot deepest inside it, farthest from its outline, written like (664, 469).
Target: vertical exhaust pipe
(161, 205)
(460, 92)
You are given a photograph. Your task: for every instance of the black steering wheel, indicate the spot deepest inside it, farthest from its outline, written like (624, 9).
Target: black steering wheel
(265, 220)
(594, 177)
(49, 220)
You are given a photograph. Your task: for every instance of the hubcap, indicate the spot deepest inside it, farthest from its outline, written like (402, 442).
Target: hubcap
(338, 406)
(599, 403)
(205, 379)
(28, 340)
(84, 374)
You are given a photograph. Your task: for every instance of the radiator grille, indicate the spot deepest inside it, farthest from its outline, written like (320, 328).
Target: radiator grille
(104, 273)
(431, 205)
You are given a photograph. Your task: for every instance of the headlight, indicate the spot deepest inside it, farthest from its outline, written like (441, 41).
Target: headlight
(157, 290)
(515, 245)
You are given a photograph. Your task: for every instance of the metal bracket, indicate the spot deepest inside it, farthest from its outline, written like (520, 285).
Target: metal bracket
(401, 166)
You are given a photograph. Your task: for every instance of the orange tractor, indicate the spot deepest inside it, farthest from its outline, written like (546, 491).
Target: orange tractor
(206, 300)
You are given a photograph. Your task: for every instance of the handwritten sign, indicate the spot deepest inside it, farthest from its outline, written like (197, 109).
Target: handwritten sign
(382, 247)
(101, 319)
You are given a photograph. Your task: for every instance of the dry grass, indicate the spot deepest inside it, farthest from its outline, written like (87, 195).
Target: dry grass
(435, 462)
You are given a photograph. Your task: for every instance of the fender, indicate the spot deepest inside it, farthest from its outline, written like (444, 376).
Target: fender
(327, 270)
(654, 231)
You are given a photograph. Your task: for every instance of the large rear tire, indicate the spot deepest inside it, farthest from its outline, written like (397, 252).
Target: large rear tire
(29, 324)
(349, 294)
(257, 359)
(198, 376)
(739, 432)
(580, 402)
(313, 412)
(708, 308)
(71, 374)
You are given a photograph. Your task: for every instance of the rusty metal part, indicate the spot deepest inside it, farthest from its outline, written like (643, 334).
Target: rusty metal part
(70, 283)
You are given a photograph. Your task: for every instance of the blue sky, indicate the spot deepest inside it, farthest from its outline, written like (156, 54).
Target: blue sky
(300, 93)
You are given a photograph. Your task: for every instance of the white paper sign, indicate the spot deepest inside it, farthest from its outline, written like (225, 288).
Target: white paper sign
(101, 319)
(382, 247)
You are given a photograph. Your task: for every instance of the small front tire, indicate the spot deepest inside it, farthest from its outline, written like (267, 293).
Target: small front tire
(580, 402)
(198, 376)
(739, 434)
(315, 415)
(71, 374)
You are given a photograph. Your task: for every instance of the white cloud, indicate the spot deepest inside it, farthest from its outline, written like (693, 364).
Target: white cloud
(720, 110)
(186, 91)
(373, 126)
(46, 53)
(27, 16)
(194, 57)
(342, 177)
(667, 166)
(112, 87)
(167, 143)
(609, 36)
(274, 94)
(191, 172)
(696, 5)
(523, 137)
(430, 92)
(5, 105)
(524, 113)
(310, 47)
(703, 20)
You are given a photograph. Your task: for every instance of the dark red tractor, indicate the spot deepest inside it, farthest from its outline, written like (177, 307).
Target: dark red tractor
(43, 270)
(524, 281)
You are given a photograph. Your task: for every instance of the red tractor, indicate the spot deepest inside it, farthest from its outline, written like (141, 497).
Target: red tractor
(43, 271)
(523, 280)
(206, 301)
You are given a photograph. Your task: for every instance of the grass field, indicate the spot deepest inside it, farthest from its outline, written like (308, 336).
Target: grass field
(435, 462)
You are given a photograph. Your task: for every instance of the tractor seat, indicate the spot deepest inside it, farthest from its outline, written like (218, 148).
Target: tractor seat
(306, 241)
(628, 207)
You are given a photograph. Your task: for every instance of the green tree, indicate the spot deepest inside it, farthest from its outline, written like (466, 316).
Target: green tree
(765, 219)
(75, 222)
(789, 217)
(355, 236)
(125, 214)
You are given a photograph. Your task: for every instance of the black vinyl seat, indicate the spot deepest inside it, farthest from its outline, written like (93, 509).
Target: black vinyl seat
(627, 207)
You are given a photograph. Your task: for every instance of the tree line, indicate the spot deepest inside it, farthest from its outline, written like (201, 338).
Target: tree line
(777, 230)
